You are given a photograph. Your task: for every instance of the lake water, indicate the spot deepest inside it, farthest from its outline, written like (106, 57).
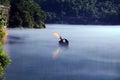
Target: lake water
(93, 53)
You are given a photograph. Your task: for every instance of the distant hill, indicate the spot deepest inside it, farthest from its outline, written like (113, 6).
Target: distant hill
(81, 11)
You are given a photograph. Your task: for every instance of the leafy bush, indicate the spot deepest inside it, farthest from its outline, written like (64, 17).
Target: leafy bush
(4, 58)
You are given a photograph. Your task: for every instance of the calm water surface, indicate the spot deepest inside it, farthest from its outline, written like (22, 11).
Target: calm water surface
(93, 53)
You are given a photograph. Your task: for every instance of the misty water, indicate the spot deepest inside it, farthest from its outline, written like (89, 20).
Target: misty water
(93, 53)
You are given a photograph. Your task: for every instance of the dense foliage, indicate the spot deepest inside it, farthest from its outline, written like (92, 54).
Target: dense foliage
(26, 13)
(4, 58)
(5, 2)
(81, 11)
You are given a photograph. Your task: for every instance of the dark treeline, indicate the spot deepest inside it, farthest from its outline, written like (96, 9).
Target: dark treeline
(81, 11)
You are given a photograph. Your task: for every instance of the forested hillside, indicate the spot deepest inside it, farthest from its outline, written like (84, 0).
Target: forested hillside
(81, 11)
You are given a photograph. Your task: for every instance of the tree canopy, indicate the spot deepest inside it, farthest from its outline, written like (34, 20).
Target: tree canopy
(26, 13)
(81, 11)
(5, 2)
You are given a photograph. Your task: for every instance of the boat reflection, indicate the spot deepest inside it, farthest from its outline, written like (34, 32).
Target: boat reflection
(59, 50)
(56, 53)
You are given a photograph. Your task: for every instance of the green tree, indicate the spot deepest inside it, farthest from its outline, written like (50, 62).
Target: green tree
(28, 14)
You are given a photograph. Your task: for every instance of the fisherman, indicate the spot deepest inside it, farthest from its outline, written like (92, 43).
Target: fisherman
(62, 41)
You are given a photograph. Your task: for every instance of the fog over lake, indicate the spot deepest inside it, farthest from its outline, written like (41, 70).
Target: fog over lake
(93, 53)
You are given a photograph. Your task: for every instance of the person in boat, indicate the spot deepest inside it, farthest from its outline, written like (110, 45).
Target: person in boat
(63, 41)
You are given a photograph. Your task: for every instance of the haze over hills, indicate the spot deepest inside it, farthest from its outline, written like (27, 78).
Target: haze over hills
(81, 11)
